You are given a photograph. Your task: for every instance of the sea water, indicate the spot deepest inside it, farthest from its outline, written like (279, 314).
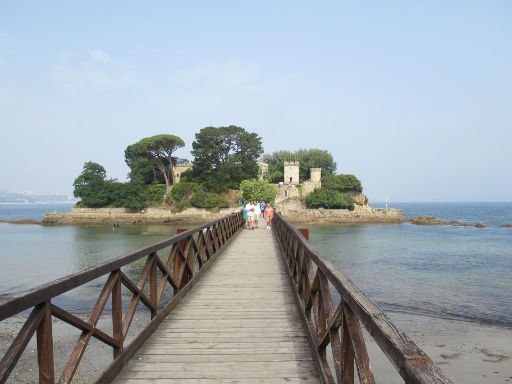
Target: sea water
(450, 272)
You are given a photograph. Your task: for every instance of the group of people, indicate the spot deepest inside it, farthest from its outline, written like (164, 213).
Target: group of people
(253, 211)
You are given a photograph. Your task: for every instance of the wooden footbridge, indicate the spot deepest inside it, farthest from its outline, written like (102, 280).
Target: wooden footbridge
(227, 305)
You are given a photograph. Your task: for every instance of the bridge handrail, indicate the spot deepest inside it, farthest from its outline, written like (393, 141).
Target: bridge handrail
(312, 277)
(193, 247)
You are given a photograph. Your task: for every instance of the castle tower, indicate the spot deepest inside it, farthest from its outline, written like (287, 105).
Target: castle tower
(316, 175)
(291, 172)
(179, 169)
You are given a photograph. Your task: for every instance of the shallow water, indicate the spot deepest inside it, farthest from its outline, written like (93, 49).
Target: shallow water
(31, 211)
(32, 255)
(439, 271)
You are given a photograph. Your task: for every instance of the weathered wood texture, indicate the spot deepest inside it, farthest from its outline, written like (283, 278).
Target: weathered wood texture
(238, 324)
(312, 277)
(191, 253)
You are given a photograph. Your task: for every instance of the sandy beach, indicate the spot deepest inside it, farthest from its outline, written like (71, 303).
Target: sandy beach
(468, 353)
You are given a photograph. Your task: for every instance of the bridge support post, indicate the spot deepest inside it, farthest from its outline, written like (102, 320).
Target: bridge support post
(178, 262)
(45, 347)
(117, 314)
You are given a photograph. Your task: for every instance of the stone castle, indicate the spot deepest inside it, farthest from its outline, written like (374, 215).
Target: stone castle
(291, 186)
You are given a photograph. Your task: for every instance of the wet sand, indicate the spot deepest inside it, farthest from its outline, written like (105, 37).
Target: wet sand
(468, 353)
(96, 358)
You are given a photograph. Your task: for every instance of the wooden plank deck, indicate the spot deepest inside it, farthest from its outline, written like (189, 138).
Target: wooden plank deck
(239, 324)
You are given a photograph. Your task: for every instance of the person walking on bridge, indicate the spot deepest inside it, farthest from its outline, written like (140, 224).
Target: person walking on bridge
(269, 215)
(257, 213)
(249, 208)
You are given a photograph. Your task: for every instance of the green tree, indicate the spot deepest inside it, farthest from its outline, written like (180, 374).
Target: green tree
(342, 183)
(329, 199)
(258, 190)
(185, 190)
(224, 156)
(204, 199)
(143, 167)
(134, 194)
(91, 187)
(308, 158)
(155, 193)
(158, 150)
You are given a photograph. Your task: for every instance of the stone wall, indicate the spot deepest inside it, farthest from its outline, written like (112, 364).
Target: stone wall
(91, 216)
(287, 191)
(310, 186)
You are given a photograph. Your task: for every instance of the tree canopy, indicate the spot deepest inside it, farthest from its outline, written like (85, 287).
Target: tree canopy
(224, 156)
(155, 151)
(342, 183)
(329, 199)
(308, 158)
(258, 190)
(91, 186)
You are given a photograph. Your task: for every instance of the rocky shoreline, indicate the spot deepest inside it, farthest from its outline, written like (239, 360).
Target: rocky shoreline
(194, 216)
(98, 216)
(295, 211)
(92, 216)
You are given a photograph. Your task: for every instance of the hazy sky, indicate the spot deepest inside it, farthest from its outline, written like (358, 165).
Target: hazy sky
(413, 97)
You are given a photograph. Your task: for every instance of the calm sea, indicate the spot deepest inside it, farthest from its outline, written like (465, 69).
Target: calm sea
(438, 271)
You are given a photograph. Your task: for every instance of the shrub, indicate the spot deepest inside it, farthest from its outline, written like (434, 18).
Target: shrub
(155, 194)
(326, 198)
(258, 190)
(342, 183)
(131, 195)
(182, 204)
(203, 199)
(185, 190)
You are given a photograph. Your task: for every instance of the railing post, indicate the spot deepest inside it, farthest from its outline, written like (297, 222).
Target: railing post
(347, 352)
(45, 347)
(153, 285)
(117, 315)
(178, 262)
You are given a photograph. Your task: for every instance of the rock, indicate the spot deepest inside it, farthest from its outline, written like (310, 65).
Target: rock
(427, 220)
(360, 199)
(431, 220)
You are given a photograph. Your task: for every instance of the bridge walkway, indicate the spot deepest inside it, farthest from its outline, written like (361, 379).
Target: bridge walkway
(238, 324)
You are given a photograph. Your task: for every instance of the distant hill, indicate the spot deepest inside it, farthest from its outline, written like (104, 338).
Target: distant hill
(34, 198)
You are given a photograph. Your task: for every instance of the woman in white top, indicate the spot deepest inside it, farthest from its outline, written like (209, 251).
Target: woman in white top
(257, 213)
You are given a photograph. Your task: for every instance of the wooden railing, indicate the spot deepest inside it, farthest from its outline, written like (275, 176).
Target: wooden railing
(191, 253)
(333, 319)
